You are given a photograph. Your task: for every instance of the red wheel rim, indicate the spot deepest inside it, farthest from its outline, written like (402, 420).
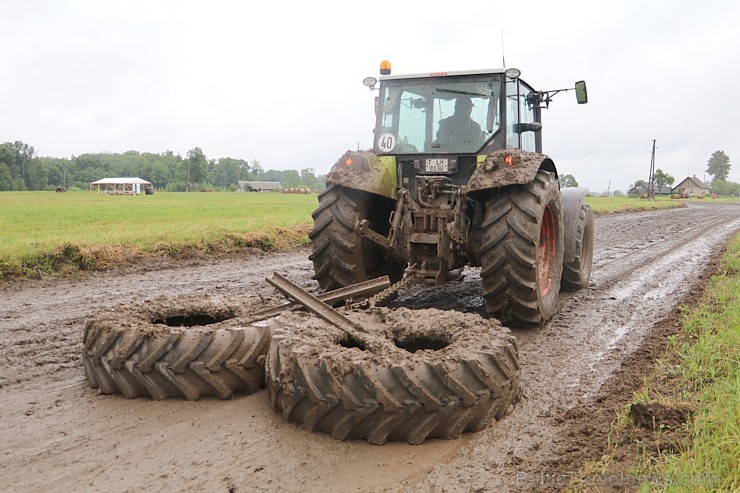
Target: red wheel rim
(546, 251)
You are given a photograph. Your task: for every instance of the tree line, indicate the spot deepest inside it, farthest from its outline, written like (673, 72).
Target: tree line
(21, 169)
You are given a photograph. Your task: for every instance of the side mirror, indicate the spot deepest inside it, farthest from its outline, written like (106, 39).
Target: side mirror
(581, 94)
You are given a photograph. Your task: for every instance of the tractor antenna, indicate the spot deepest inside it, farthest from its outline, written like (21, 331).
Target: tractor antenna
(503, 55)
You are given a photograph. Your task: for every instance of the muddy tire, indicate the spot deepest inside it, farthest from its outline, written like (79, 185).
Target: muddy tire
(577, 274)
(185, 349)
(341, 257)
(522, 251)
(445, 379)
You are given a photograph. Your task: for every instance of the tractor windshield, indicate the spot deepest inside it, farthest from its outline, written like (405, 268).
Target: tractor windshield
(437, 115)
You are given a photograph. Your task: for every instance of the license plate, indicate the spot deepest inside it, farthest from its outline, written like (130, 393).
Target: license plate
(437, 166)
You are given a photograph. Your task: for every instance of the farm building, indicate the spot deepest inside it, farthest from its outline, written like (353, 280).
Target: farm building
(641, 188)
(122, 186)
(692, 187)
(259, 186)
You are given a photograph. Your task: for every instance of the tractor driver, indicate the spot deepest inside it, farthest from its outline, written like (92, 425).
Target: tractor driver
(460, 128)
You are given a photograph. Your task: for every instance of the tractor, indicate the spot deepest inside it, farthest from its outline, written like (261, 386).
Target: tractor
(456, 177)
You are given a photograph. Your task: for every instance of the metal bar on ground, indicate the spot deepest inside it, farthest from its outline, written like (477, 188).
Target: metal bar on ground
(359, 290)
(313, 304)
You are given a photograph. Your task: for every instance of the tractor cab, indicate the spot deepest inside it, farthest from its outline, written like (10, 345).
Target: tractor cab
(455, 113)
(458, 113)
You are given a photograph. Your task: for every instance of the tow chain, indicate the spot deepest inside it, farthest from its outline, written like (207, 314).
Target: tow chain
(379, 298)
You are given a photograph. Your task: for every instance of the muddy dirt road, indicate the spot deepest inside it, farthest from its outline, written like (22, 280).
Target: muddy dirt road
(58, 434)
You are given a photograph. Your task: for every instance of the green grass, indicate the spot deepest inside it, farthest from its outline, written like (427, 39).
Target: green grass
(43, 228)
(610, 205)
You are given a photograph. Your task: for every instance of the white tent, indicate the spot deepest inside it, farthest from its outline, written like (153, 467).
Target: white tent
(120, 186)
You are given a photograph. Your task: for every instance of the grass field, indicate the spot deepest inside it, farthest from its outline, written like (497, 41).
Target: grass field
(609, 205)
(43, 232)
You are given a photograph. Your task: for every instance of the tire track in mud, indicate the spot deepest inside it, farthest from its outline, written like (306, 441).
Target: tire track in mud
(58, 435)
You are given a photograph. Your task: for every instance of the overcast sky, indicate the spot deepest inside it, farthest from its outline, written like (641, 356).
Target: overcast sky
(281, 82)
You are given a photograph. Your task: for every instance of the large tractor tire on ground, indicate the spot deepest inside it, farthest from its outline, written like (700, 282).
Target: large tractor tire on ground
(522, 251)
(577, 273)
(340, 256)
(415, 375)
(186, 348)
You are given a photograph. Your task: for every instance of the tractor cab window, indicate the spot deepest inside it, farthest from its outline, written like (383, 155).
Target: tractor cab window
(441, 115)
(526, 115)
(519, 111)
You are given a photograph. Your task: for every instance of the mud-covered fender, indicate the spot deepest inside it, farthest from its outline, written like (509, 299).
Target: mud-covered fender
(572, 201)
(364, 170)
(508, 167)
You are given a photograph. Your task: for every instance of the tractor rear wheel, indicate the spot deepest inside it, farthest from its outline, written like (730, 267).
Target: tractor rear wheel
(522, 251)
(577, 273)
(340, 256)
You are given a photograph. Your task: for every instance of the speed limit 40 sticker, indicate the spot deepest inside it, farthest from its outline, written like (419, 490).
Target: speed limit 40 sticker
(387, 142)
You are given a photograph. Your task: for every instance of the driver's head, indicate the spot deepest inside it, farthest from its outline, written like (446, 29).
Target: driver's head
(463, 105)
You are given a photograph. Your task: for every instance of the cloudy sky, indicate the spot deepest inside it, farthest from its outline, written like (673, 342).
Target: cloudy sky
(280, 82)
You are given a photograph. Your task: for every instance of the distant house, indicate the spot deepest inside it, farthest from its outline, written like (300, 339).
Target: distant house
(641, 188)
(259, 186)
(692, 187)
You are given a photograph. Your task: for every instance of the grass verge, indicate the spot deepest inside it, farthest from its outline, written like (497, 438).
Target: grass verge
(681, 432)
(611, 205)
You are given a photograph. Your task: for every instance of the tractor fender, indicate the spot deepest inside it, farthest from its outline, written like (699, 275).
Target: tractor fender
(508, 167)
(366, 171)
(572, 201)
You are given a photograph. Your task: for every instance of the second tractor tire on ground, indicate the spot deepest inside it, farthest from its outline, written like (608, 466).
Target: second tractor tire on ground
(415, 375)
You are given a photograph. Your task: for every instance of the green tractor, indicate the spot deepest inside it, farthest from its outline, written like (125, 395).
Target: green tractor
(457, 177)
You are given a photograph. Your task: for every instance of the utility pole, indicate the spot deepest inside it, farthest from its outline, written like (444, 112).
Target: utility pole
(651, 191)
